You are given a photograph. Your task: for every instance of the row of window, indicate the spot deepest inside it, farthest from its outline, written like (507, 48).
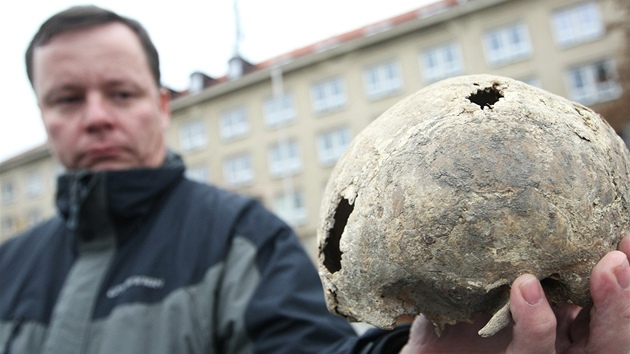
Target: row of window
(34, 187)
(9, 224)
(284, 159)
(238, 170)
(590, 83)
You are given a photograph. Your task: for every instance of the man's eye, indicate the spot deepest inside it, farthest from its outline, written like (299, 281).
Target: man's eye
(123, 95)
(67, 99)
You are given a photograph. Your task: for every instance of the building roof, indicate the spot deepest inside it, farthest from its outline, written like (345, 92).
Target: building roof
(30, 155)
(338, 40)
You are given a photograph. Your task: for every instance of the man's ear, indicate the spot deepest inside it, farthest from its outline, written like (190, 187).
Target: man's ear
(165, 107)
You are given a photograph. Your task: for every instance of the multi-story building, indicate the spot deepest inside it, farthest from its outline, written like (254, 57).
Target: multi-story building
(274, 130)
(27, 187)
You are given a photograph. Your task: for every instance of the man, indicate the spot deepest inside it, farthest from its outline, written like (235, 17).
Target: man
(142, 260)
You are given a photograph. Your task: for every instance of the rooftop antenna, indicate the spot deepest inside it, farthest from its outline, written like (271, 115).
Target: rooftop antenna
(239, 35)
(236, 65)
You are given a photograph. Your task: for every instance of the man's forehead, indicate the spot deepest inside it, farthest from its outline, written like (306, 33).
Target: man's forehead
(105, 53)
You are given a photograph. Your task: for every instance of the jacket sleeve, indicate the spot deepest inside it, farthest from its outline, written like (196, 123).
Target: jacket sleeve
(283, 309)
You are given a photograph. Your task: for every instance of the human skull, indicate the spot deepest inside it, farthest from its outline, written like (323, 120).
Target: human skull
(446, 198)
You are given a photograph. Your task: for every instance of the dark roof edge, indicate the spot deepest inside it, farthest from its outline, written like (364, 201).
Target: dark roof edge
(338, 46)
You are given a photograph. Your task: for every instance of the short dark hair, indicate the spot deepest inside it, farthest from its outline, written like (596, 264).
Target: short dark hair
(82, 17)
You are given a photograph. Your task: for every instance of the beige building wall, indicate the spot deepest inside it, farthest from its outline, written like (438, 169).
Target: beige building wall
(27, 189)
(401, 42)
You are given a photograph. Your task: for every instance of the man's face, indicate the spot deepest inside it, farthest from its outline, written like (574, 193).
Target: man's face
(99, 102)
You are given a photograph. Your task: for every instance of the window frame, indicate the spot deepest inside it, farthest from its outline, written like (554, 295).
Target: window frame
(233, 124)
(506, 50)
(278, 117)
(332, 144)
(197, 173)
(328, 95)
(439, 53)
(284, 158)
(190, 139)
(570, 28)
(238, 170)
(8, 193)
(296, 213)
(34, 184)
(382, 79)
(589, 90)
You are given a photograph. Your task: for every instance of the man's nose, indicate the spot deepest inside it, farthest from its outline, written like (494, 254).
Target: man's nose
(97, 114)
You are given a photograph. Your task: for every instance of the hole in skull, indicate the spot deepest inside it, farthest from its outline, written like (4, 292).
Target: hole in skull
(486, 97)
(332, 253)
(554, 289)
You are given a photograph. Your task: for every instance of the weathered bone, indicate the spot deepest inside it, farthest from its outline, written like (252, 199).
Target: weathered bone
(440, 203)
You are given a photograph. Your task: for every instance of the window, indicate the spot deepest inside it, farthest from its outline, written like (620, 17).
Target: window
(197, 173)
(33, 217)
(331, 145)
(8, 225)
(237, 170)
(234, 124)
(8, 193)
(507, 44)
(382, 80)
(279, 110)
(34, 184)
(291, 207)
(441, 62)
(328, 95)
(594, 82)
(577, 24)
(192, 135)
(532, 81)
(284, 159)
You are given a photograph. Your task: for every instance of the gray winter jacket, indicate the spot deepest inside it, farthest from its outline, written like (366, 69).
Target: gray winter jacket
(146, 261)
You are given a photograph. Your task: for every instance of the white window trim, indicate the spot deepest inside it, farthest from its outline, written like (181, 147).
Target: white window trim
(8, 225)
(34, 217)
(192, 135)
(508, 52)
(442, 68)
(238, 170)
(284, 159)
(328, 95)
(593, 92)
(197, 173)
(279, 111)
(570, 28)
(332, 144)
(234, 124)
(34, 184)
(8, 193)
(384, 84)
(291, 208)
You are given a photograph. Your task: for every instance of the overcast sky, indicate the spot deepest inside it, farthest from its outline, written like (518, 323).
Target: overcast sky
(190, 35)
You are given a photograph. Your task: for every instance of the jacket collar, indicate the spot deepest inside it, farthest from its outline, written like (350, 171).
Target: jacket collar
(92, 203)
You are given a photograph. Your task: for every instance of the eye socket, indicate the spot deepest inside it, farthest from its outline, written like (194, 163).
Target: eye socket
(67, 99)
(123, 95)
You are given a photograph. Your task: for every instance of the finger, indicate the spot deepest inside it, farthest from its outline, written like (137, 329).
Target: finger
(624, 245)
(534, 321)
(456, 339)
(567, 316)
(421, 332)
(610, 316)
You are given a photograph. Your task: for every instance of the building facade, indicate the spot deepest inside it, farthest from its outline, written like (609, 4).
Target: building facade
(275, 131)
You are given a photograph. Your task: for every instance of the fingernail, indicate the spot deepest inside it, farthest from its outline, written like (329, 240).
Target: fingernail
(622, 272)
(531, 291)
